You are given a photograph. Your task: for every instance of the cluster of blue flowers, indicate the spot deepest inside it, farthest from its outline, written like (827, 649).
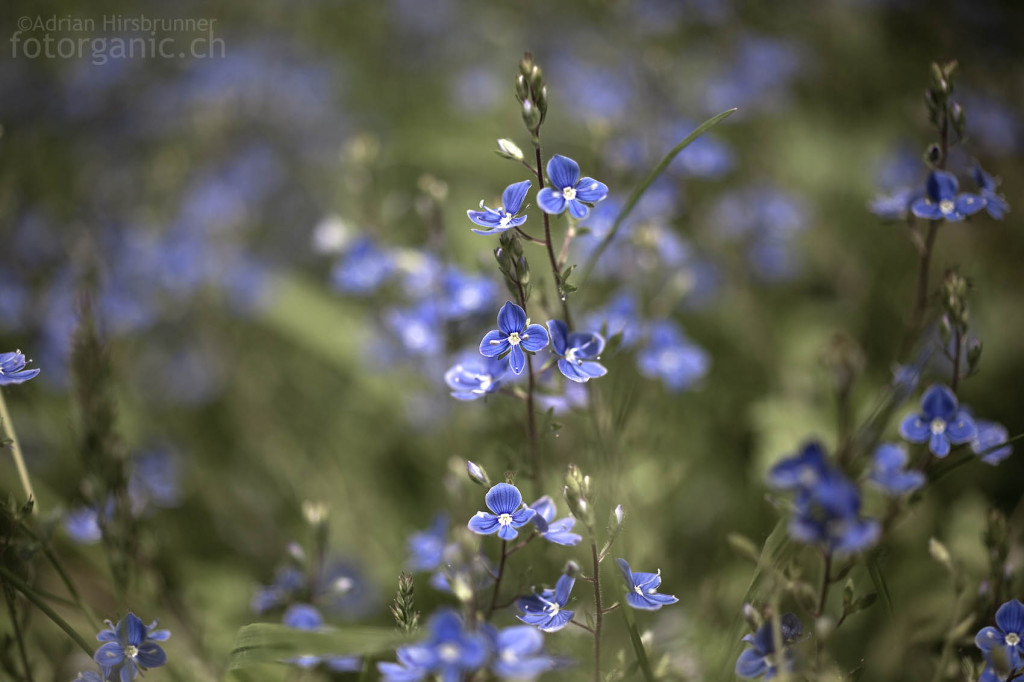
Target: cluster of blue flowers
(129, 648)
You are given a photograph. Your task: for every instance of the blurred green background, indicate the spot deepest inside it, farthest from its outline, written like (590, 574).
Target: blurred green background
(193, 189)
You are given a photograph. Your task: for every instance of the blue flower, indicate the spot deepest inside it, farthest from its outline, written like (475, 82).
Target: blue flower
(466, 295)
(504, 501)
(941, 422)
(449, 652)
(426, 548)
(671, 357)
(547, 609)
(827, 505)
(89, 676)
(558, 532)
(130, 647)
(12, 369)
(513, 335)
(989, 436)
(307, 617)
(995, 203)
(518, 653)
(889, 471)
(569, 189)
(475, 377)
(942, 202)
(363, 268)
(642, 589)
(504, 217)
(83, 524)
(302, 617)
(287, 581)
(418, 327)
(759, 658)
(895, 206)
(1007, 636)
(579, 352)
(619, 316)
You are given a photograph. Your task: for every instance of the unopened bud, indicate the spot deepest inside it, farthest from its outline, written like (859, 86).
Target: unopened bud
(315, 513)
(753, 617)
(974, 347)
(940, 553)
(477, 474)
(572, 569)
(509, 150)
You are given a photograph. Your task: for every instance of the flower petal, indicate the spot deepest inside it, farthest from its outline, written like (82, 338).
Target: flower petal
(511, 318)
(939, 401)
(512, 198)
(507, 533)
(522, 517)
(483, 523)
(939, 444)
(535, 338)
(927, 209)
(517, 359)
(563, 589)
(503, 498)
(962, 429)
(989, 637)
(569, 371)
(131, 630)
(559, 335)
(110, 654)
(1010, 617)
(626, 573)
(558, 621)
(494, 343)
(485, 218)
(969, 204)
(545, 508)
(563, 171)
(915, 429)
(941, 186)
(578, 209)
(151, 655)
(550, 201)
(591, 191)
(751, 664)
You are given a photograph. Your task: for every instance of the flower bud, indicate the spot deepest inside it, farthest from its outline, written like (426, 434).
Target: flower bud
(572, 569)
(509, 150)
(974, 348)
(477, 474)
(315, 513)
(522, 89)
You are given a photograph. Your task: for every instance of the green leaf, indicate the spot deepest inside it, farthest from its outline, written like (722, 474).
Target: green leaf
(270, 643)
(638, 645)
(875, 571)
(642, 187)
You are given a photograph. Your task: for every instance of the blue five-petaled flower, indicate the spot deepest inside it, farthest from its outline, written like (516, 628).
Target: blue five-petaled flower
(941, 423)
(12, 369)
(942, 201)
(889, 471)
(643, 589)
(579, 351)
(505, 502)
(569, 189)
(547, 609)
(130, 647)
(449, 652)
(498, 220)
(558, 532)
(514, 335)
(1007, 635)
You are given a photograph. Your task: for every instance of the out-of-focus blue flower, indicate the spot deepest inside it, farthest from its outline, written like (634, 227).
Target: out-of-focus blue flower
(568, 189)
(14, 298)
(475, 376)
(942, 201)
(1007, 636)
(155, 480)
(642, 588)
(449, 652)
(287, 581)
(889, 471)
(498, 220)
(579, 352)
(89, 676)
(895, 206)
(12, 369)
(558, 532)
(363, 268)
(760, 658)
(519, 653)
(337, 587)
(995, 125)
(990, 435)
(426, 548)
(619, 316)
(671, 357)
(995, 203)
(302, 617)
(547, 610)
(465, 294)
(505, 502)
(418, 328)
(307, 617)
(83, 525)
(573, 396)
(941, 422)
(130, 647)
(827, 504)
(705, 157)
(513, 335)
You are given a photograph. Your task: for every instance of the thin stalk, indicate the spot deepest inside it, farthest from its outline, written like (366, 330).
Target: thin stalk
(19, 459)
(22, 651)
(40, 604)
(497, 580)
(826, 583)
(531, 417)
(552, 259)
(598, 610)
(956, 359)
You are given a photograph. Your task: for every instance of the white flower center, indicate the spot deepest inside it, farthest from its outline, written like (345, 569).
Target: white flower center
(569, 193)
(552, 609)
(485, 382)
(1012, 639)
(938, 426)
(449, 653)
(131, 651)
(639, 590)
(514, 339)
(509, 656)
(947, 206)
(505, 220)
(570, 355)
(505, 520)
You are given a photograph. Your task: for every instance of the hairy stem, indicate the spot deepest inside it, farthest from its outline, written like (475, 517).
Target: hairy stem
(598, 610)
(19, 460)
(552, 259)
(497, 580)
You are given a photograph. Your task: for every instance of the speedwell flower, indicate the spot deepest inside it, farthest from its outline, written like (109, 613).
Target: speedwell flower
(760, 657)
(475, 377)
(995, 203)
(498, 220)
(505, 502)
(569, 189)
(448, 652)
(12, 369)
(579, 352)
(558, 532)
(643, 589)
(513, 335)
(1008, 634)
(942, 201)
(941, 423)
(547, 609)
(987, 440)
(519, 653)
(131, 647)
(889, 471)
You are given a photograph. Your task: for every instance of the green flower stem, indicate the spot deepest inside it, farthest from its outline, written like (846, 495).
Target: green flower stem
(598, 610)
(41, 604)
(19, 460)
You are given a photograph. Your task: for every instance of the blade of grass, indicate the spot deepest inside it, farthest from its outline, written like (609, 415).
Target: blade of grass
(638, 645)
(41, 604)
(638, 192)
(881, 586)
(270, 643)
